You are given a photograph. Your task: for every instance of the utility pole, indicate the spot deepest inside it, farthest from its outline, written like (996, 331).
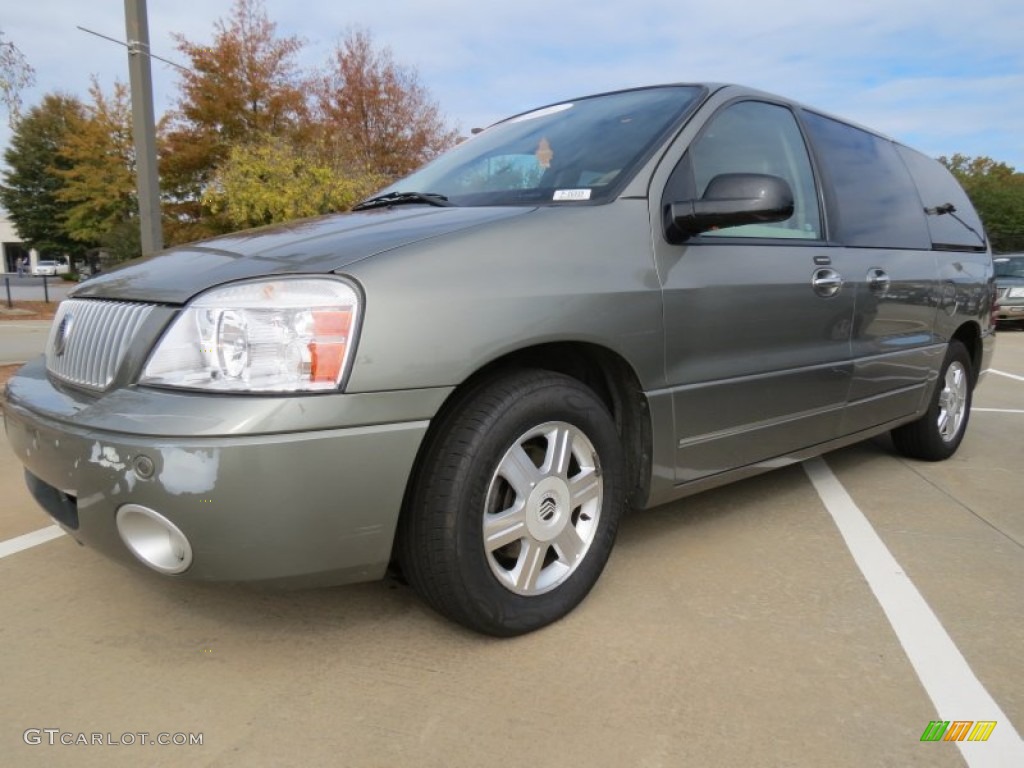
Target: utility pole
(140, 75)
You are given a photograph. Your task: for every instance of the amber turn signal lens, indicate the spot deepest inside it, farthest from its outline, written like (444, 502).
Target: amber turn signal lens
(327, 350)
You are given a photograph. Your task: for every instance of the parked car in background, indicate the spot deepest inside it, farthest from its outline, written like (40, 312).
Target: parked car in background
(611, 302)
(1009, 287)
(50, 267)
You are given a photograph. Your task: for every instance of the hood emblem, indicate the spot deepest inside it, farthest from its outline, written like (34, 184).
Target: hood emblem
(60, 343)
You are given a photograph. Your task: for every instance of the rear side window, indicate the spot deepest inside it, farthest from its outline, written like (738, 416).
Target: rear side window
(877, 202)
(958, 229)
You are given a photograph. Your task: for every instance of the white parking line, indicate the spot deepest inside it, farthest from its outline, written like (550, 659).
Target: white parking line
(943, 671)
(1007, 375)
(29, 540)
(997, 410)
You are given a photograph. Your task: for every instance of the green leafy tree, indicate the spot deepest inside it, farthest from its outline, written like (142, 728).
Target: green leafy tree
(33, 180)
(243, 86)
(16, 74)
(376, 113)
(99, 180)
(271, 181)
(997, 192)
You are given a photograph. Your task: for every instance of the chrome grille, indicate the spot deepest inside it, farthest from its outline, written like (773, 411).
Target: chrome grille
(89, 339)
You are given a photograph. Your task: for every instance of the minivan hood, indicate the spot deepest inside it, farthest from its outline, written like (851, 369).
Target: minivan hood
(309, 246)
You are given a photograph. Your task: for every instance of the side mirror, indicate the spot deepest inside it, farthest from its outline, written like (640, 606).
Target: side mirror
(732, 199)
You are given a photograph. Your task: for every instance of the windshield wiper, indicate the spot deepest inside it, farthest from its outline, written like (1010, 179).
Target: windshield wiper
(401, 198)
(950, 210)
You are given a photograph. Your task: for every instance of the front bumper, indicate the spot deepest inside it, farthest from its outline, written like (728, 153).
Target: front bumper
(1006, 311)
(296, 505)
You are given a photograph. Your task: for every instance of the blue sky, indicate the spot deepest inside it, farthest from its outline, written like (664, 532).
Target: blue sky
(944, 76)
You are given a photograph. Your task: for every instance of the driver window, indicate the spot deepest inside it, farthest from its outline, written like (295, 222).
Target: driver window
(755, 137)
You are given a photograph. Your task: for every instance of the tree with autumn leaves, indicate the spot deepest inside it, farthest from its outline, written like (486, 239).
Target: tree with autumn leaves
(99, 175)
(255, 140)
(70, 183)
(244, 88)
(374, 113)
(32, 183)
(252, 139)
(997, 191)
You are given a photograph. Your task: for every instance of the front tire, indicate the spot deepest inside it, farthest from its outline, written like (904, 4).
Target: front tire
(515, 507)
(937, 434)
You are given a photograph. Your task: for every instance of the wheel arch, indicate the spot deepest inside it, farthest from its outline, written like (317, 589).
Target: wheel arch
(969, 334)
(603, 371)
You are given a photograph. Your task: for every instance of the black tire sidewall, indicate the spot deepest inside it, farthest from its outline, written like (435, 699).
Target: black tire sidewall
(921, 439)
(530, 400)
(956, 353)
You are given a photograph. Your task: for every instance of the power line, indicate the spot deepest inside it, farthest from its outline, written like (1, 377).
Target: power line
(136, 47)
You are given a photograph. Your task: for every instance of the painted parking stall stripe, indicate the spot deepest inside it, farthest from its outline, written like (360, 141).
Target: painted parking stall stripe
(943, 671)
(29, 540)
(1007, 375)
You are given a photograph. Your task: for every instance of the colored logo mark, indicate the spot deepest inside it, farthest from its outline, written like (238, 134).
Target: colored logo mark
(958, 730)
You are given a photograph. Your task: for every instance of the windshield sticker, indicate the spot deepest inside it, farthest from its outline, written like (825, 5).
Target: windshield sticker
(572, 194)
(541, 113)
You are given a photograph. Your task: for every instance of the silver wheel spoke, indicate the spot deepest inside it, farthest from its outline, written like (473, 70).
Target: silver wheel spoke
(530, 562)
(559, 452)
(505, 527)
(584, 487)
(519, 471)
(952, 402)
(569, 545)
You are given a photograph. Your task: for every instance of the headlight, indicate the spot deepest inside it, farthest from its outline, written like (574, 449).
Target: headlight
(283, 335)
(1016, 293)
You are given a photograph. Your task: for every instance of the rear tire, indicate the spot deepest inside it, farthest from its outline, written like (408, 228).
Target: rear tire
(937, 434)
(516, 505)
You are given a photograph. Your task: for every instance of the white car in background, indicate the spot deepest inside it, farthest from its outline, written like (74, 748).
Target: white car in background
(49, 267)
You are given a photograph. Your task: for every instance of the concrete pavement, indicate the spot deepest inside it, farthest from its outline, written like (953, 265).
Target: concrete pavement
(21, 340)
(730, 629)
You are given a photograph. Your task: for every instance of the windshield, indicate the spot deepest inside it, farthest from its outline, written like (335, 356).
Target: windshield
(1009, 266)
(580, 151)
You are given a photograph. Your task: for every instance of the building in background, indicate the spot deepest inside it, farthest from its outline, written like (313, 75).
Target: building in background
(12, 249)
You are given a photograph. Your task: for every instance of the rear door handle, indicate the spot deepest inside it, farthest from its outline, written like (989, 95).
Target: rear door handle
(826, 282)
(878, 280)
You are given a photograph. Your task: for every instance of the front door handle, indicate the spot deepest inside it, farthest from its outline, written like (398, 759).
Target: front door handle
(878, 280)
(826, 282)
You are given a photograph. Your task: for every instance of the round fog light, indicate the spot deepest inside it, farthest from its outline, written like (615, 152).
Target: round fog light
(154, 539)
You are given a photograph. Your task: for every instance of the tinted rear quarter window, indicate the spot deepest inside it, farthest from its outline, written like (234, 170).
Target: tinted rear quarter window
(938, 187)
(876, 199)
